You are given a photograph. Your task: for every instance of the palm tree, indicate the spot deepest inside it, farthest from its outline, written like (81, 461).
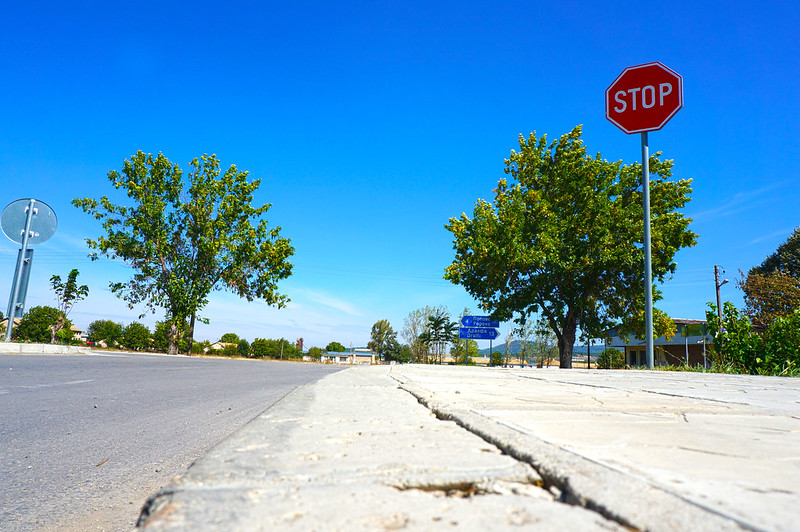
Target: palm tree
(440, 332)
(425, 339)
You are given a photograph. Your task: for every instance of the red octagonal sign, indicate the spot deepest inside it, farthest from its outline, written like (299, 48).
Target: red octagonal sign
(644, 97)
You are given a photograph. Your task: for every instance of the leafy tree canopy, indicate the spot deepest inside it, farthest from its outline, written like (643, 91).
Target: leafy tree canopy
(768, 296)
(772, 289)
(186, 235)
(398, 353)
(786, 258)
(335, 347)
(35, 325)
(105, 331)
(382, 338)
(416, 331)
(136, 336)
(67, 294)
(281, 348)
(243, 348)
(229, 338)
(564, 238)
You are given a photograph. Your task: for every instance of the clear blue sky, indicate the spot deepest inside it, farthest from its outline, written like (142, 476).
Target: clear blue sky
(371, 124)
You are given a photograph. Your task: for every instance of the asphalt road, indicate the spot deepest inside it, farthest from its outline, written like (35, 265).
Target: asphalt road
(84, 440)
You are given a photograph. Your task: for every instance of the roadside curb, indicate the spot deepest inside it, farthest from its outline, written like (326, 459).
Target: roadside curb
(13, 348)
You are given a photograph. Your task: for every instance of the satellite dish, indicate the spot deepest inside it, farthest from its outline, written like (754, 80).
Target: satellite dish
(15, 216)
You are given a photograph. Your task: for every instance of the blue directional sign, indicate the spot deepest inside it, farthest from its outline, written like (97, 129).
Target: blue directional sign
(477, 333)
(479, 321)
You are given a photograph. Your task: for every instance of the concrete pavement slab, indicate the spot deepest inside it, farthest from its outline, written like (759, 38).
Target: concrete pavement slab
(654, 450)
(355, 452)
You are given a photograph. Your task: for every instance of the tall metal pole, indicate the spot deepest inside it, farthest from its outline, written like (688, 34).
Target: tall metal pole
(589, 353)
(718, 285)
(648, 270)
(22, 259)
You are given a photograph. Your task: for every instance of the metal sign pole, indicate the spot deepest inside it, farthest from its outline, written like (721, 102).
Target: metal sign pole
(648, 270)
(20, 268)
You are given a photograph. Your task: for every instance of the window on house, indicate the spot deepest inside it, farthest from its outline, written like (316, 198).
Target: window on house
(637, 357)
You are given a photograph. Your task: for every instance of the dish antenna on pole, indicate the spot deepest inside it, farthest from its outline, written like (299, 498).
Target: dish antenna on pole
(26, 222)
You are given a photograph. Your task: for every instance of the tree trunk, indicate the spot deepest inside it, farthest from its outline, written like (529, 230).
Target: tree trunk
(55, 328)
(172, 337)
(191, 337)
(566, 340)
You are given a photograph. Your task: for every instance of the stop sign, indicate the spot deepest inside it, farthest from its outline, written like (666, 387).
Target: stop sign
(644, 97)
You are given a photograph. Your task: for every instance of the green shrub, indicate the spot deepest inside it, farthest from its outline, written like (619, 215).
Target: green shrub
(738, 349)
(230, 350)
(611, 359)
(198, 348)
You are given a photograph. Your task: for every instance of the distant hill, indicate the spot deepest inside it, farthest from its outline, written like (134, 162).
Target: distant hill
(516, 347)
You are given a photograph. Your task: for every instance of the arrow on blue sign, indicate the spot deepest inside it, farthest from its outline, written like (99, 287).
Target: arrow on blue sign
(479, 321)
(477, 333)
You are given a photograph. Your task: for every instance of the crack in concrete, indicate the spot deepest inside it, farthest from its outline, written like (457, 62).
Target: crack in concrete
(551, 482)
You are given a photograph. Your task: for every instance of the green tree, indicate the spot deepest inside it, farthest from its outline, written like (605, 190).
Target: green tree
(136, 336)
(395, 352)
(425, 341)
(415, 325)
(67, 294)
(316, 353)
(404, 354)
(458, 349)
(186, 236)
(634, 325)
(564, 238)
(161, 337)
(382, 338)
(496, 358)
(282, 348)
(772, 289)
(441, 330)
(786, 258)
(229, 338)
(105, 331)
(544, 346)
(768, 296)
(35, 325)
(243, 348)
(260, 348)
(524, 331)
(335, 347)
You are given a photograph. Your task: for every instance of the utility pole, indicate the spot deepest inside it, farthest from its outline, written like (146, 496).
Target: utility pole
(589, 353)
(718, 284)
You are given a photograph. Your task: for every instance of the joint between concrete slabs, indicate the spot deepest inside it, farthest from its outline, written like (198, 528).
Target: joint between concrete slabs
(581, 481)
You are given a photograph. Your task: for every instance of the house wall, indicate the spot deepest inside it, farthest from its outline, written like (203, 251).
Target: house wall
(668, 354)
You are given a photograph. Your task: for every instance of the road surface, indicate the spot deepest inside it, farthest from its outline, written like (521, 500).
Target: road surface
(86, 439)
